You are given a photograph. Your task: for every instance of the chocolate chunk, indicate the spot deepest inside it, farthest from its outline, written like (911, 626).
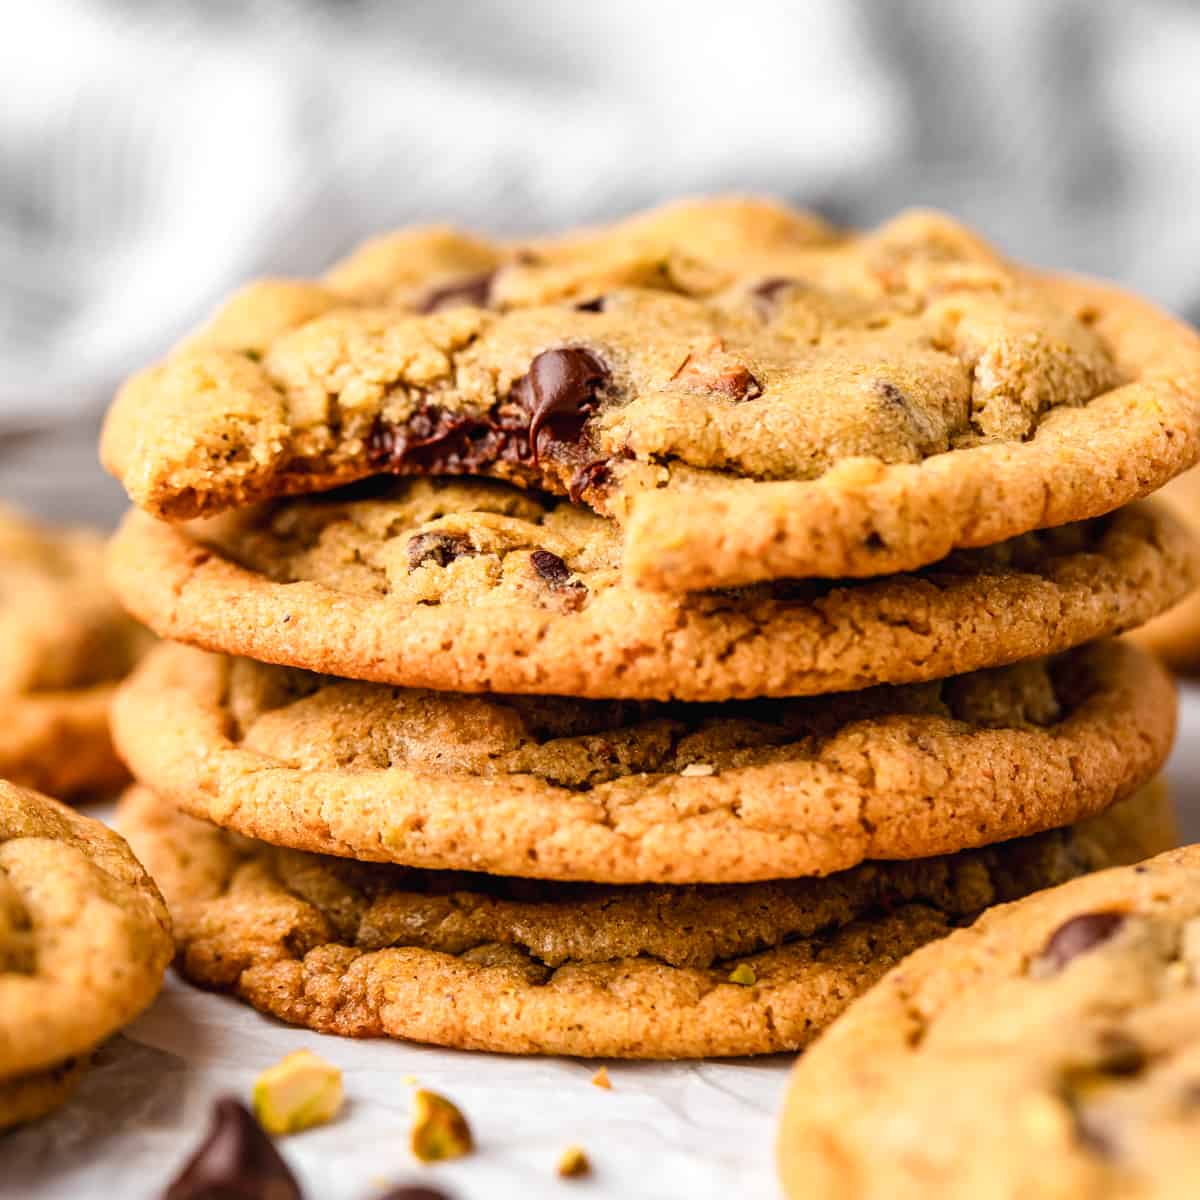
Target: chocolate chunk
(559, 392)
(594, 474)
(550, 567)
(436, 441)
(1079, 935)
(236, 1161)
(413, 1192)
(593, 306)
(471, 289)
(439, 548)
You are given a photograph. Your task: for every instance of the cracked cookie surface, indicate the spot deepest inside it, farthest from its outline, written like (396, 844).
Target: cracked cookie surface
(750, 393)
(84, 942)
(64, 641)
(1066, 1027)
(533, 967)
(628, 792)
(474, 586)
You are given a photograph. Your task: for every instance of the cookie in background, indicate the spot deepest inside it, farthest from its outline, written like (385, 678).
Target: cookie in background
(1175, 636)
(64, 645)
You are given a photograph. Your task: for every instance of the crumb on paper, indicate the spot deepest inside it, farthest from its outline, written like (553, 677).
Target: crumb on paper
(573, 1163)
(601, 1079)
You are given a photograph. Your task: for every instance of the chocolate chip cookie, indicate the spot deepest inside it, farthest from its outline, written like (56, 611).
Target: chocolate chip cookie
(1052, 1049)
(84, 942)
(623, 792)
(1175, 636)
(475, 586)
(64, 641)
(525, 967)
(748, 392)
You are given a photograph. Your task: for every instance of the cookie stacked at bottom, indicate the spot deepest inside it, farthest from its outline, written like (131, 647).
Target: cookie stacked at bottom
(637, 876)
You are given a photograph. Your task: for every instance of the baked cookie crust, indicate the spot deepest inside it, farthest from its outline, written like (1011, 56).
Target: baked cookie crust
(538, 968)
(748, 392)
(473, 587)
(619, 792)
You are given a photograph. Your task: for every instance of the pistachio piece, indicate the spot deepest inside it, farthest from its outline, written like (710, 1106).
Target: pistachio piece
(299, 1091)
(743, 975)
(439, 1130)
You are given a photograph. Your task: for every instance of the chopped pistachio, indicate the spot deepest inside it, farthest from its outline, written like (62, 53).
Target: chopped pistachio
(439, 1130)
(744, 975)
(573, 1163)
(299, 1091)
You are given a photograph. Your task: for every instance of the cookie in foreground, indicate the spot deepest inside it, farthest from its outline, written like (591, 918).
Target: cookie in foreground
(749, 393)
(473, 586)
(622, 792)
(515, 966)
(1051, 1049)
(84, 942)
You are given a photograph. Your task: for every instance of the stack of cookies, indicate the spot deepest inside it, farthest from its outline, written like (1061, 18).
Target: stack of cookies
(635, 643)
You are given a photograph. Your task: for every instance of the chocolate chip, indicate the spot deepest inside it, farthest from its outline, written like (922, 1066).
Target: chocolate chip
(413, 1192)
(1078, 936)
(557, 575)
(560, 391)
(236, 1161)
(550, 567)
(891, 393)
(1119, 1053)
(595, 305)
(439, 548)
(470, 289)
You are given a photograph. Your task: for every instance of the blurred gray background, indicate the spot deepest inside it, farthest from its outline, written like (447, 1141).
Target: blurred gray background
(153, 154)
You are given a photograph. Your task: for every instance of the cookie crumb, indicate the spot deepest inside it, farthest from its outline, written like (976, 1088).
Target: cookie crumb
(298, 1092)
(743, 975)
(694, 770)
(573, 1163)
(601, 1079)
(439, 1130)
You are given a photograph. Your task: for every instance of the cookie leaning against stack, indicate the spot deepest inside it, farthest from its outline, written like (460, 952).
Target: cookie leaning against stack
(492, 740)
